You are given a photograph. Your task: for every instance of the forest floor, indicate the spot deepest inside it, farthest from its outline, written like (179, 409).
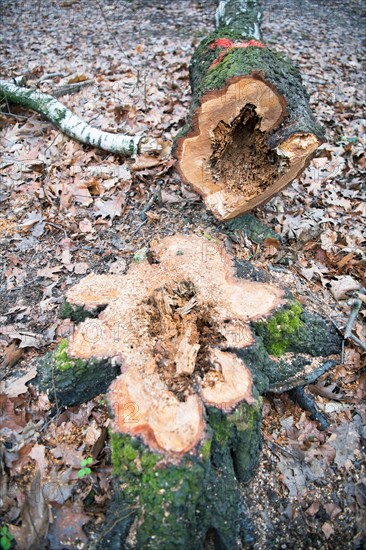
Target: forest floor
(66, 211)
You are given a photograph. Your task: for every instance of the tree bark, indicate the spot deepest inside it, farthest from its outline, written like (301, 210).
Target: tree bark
(250, 130)
(72, 126)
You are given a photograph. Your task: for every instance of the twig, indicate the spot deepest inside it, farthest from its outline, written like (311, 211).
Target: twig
(356, 306)
(111, 527)
(136, 231)
(18, 117)
(283, 450)
(22, 286)
(65, 89)
(358, 341)
(112, 34)
(296, 381)
(57, 227)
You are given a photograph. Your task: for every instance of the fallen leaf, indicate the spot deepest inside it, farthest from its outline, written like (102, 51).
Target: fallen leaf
(13, 388)
(169, 198)
(66, 530)
(12, 354)
(332, 510)
(49, 272)
(327, 530)
(341, 286)
(345, 440)
(77, 78)
(145, 161)
(326, 390)
(80, 268)
(109, 208)
(85, 226)
(38, 454)
(59, 486)
(313, 508)
(35, 518)
(31, 219)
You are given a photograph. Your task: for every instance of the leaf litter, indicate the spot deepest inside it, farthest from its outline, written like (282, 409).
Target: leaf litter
(65, 210)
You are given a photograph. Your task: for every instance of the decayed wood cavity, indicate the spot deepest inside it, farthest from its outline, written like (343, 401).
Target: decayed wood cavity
(170, 325)
(226, 156)
(242, 160)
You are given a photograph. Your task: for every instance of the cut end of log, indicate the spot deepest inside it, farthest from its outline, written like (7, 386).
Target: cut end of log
(170, 325)
(226, 156)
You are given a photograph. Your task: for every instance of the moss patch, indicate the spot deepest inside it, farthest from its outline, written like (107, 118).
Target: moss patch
(281, 331)
(165, 494)
(63, 361)
(75, 313)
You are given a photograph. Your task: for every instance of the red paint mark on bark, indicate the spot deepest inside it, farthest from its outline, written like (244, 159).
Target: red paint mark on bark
(229, 45)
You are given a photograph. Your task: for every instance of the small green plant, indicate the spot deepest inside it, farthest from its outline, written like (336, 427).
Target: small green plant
(6, 538)
(85, 470)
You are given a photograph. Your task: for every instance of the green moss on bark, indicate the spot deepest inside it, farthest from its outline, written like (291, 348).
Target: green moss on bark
(277, 69)
(280, 333)
(63, 362)
(166, 495)
(77, 314)
(71, 381)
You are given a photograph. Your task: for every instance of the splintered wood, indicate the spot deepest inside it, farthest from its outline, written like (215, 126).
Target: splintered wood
(169, 325)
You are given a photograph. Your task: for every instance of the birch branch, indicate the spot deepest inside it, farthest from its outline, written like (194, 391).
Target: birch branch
(73, 126)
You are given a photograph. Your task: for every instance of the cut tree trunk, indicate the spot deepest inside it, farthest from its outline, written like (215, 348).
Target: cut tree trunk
(72, 126)
(196, 343)
(250, 130)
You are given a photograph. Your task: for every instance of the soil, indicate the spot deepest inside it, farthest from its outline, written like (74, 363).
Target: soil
(309, 490)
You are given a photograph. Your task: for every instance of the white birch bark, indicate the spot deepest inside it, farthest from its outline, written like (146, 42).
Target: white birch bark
(73, 126)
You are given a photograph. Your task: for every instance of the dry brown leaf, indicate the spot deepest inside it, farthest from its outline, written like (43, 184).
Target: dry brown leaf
(77, 78)
(80, 268)
(35, 518)
(67, 527)
(341, 286)
(145, 161)
(326, 390)
(38, 454)
(332, 510)
(110, 208)
(50, 272)
(313, 508)
(327, 530)
(12, 354)
(85, 226)
(13, 388)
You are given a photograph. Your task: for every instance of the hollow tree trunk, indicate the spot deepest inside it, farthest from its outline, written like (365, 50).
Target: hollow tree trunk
(196, 341)
(250, 130)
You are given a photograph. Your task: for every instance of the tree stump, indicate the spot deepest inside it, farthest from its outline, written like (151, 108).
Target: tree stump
(196, 344)
(250, 130)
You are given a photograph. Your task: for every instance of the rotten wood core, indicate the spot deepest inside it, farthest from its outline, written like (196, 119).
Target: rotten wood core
(242, 160)
(226, 157)
(169, 324)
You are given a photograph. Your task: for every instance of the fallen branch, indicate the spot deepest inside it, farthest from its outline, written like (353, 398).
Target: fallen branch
(73, 126)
